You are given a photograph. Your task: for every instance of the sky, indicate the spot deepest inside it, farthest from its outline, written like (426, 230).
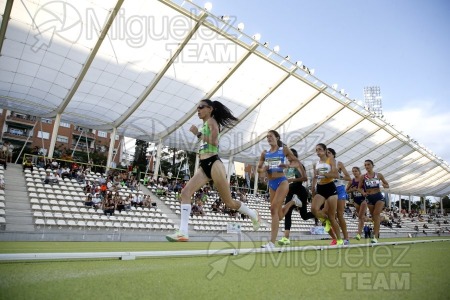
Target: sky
(402, 46)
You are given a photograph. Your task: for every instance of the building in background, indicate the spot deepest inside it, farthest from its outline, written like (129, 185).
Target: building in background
(372, 99)
(18, 128)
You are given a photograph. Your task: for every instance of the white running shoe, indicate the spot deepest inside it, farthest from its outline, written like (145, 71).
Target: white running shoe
(297, 201)
(177, 237)
(268, 246)
(257, 221)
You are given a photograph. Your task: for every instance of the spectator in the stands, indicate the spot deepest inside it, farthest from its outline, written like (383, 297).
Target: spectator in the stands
(27, 164)
(88, 201)
(108, 205)
(65, 173)
(2, 182)
(96, 201)
(3, 159)
(147, 201)
(9, 151)
(54, 164)
(120, 203)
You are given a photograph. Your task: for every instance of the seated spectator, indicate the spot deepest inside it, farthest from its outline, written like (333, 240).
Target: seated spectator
(88, 201)
(47, 178)
(54, 164)
(215, 207)
(127, 203)
(54, 178)
(108, 206)
(3, 159)
(120, 204)
(87, 188)
(65, 173)
(147, 201)
(197, 209)
(2, 182)
(96, 201)
(140, 199)
(103, 190)
(425, 226)
(27, 164)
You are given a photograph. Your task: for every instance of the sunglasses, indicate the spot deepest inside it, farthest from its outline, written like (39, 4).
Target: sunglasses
(202, 107)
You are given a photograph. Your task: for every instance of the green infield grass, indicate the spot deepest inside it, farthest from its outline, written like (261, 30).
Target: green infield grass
(406, 271)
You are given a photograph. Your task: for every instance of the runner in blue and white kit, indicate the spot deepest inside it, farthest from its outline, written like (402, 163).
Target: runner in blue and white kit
(273, 162)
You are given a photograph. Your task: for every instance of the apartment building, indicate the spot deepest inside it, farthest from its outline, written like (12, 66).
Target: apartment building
(18, 128)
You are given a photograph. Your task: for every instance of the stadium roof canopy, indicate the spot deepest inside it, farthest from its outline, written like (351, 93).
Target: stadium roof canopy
(140, 67)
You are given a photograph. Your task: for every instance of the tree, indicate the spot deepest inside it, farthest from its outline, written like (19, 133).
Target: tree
(446, 202)
(140, 155)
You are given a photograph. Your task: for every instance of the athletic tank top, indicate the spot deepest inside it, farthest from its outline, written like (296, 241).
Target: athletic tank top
(355, 184)
(274, 159)
(371, 183)
(204, 146)
(323, 168)
(292, 173)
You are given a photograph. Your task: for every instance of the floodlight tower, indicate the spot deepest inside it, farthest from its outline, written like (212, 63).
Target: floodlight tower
(372, 99)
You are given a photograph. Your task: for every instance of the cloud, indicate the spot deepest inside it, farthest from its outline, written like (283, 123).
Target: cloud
(422, 121)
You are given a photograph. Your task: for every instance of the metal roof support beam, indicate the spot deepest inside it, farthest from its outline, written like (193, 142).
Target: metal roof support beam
(56, 123)
(160, 74)
(158, 161)
(437, 188)
(359, 157)
(334, 138)
(419, 178)
(5, 20)
(424, 183)
(281, 122)
(112, 143)
(219, 84)
(89, 61)
(261, 99)
(350, 146)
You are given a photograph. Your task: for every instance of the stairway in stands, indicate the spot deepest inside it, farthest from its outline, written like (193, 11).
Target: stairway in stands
(161, 205)
(17, 204)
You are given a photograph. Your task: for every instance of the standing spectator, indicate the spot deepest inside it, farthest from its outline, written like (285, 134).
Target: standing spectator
(366, 231)
(35, 155)
(10, 152)
(3, 159)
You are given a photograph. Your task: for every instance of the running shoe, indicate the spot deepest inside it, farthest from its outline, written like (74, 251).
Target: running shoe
(297, 201)
(327, 225)
(268, 246)
(374, 241)
(346, 242)
(177, 237)
(358, 237)
(257, 221)
(284, 241)
(340, 242)
(333, 243)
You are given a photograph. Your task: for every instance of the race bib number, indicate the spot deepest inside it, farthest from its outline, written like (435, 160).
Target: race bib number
(290, 173)
(273, 163)
(372, 183)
